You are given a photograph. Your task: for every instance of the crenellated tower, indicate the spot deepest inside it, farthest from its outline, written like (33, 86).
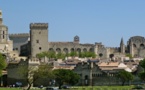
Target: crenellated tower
(38, 38)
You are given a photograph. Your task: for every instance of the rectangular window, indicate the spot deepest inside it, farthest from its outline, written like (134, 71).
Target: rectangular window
(37, 41)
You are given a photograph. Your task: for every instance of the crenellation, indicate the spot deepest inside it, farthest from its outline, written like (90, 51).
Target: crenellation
(19, 35)
(38, 25)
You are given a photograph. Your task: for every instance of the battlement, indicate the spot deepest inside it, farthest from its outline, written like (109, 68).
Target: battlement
(38, 25)
(19, 35)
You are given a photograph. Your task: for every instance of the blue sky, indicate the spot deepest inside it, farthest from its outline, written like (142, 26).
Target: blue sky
(105, 21)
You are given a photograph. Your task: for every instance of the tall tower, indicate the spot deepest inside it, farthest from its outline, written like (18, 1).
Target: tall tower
(122, 46)
(3, 30)
(38, 38)
(131, 48)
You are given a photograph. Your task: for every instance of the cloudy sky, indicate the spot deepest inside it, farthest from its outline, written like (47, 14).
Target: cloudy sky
(105, 21)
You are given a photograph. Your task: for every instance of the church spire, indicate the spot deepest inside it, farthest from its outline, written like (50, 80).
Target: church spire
(122, 42)
(122, 46)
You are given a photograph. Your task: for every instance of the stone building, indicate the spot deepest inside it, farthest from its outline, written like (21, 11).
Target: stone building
(6, 45)
(38, 41)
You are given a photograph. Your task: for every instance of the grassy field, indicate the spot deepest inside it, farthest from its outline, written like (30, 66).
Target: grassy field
(85, 88)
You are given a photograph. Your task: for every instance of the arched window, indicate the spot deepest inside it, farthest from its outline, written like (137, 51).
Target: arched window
(51, 49)
(84, 50)
(65, 50)
(78, 50)
(91, 50)
(134, 45)
(58, 50)
(142, 45)
(72, 50)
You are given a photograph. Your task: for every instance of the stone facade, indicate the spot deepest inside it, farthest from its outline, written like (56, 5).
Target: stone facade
(6, 45)
(38, 42)
(38, 37)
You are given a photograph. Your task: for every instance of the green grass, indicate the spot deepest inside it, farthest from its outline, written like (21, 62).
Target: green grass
(86, 88)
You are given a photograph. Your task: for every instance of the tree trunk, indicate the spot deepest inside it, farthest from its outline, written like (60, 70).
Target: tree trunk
(123, 83)
(29, 87)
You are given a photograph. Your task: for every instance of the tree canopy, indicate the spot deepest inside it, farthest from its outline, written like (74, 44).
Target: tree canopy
(60, 55)
(34, 73)
(3, 63)
(65, 76)
(124, 76)
(142, 74)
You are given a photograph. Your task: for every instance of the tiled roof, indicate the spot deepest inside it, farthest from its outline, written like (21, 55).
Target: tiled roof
(108, 64)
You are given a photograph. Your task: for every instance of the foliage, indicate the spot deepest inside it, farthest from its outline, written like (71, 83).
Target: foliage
(60, 56)
(3, 63)
(142, 74)
(72, 54)
(125, 76)
(87, 54)
(142, 63)
(129, 55)
(33, 73)
(50, 54)
(65, 76)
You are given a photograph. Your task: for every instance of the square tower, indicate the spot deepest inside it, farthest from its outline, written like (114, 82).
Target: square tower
(38, 38)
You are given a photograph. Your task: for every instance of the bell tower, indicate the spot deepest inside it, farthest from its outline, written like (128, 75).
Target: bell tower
(3, 30)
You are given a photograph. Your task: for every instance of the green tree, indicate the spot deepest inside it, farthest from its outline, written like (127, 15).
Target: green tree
(60, 56)
(142, 64)
(142, 74)
(3, 63)
(65, 76)
(129, 55)
(33, 73)
(124, 76)
(87, 54)
(73, 54)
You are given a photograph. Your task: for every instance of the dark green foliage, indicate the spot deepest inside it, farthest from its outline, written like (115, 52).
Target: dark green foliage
(129, 55)
(65, 76)
(125, 76)
(33, 73)
(72, 54)
(87, 54)
(60, 56)
(142, 74)
(142, 63)
(3, 63)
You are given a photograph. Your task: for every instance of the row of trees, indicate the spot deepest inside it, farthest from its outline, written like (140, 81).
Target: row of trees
(52, 54)
(61, 76)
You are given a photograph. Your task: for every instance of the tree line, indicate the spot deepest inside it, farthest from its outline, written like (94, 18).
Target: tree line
(60, 55)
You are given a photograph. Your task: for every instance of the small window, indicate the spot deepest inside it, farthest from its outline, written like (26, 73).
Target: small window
(37, 41)
(40, 48)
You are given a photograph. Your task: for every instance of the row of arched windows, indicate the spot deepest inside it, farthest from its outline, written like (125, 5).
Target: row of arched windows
(71, 50)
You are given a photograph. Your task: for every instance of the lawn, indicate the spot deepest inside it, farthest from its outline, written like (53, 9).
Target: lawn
(85, 88)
